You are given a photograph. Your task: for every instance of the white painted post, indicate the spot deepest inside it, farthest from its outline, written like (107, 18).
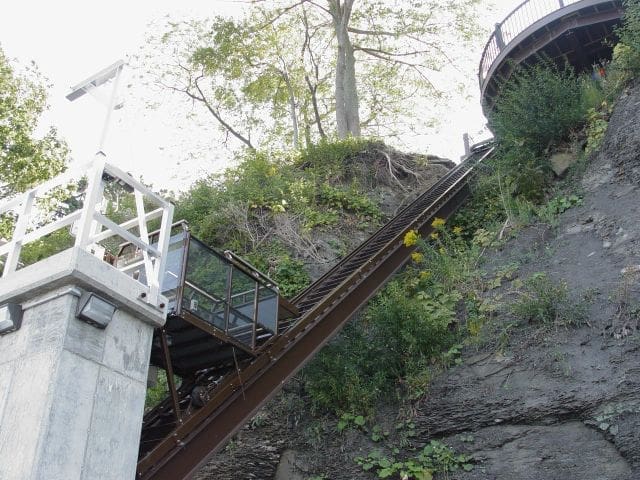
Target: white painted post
(86, 226)
(15, 246)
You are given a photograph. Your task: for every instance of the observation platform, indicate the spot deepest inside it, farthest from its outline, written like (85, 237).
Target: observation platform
(565, 31)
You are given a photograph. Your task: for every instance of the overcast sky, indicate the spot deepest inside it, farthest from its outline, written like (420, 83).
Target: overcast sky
(70, 40)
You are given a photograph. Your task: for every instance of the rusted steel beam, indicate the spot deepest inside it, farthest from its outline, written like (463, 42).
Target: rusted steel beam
(170, 379)
(241, 393)
(241, 401)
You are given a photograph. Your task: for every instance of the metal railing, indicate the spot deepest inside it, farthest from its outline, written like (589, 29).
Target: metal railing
(233, 293)
(522, 17)
(90, 224)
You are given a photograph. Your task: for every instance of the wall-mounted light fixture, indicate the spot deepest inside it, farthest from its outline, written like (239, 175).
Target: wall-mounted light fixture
(10, 318)
(95, 310)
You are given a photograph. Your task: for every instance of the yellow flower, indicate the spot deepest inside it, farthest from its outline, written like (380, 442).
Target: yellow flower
(424, 274)
(457, 230)
(417, 257)
(411, 238)
(442, 250)
(438, 222)
(434, 236)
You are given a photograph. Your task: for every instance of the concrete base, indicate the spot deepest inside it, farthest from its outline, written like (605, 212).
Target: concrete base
(72, 395)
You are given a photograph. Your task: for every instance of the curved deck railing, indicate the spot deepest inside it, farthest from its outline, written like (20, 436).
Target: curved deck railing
(522, 17)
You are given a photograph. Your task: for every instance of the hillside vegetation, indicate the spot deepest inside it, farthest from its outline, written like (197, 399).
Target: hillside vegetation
(481, 294)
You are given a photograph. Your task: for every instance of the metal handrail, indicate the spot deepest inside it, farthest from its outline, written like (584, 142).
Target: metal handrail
(92, 225)
(520, 18)
(250, 269)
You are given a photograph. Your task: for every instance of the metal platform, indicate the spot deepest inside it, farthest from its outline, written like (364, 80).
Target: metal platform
(577, 32)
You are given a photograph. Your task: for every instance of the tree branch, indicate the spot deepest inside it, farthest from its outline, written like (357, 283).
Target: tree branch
(375, 33)
(216, 115)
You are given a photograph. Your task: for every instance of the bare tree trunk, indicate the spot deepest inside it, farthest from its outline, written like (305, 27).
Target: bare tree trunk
(352, 107)
(292, 109)
(313, 86)
(346, 94)
(313, 89)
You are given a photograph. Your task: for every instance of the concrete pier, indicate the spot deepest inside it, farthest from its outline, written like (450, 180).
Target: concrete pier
(72, 395)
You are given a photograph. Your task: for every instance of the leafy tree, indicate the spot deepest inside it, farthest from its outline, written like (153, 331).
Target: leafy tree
(250, 80)
(401, 41)
(275, 77)
(24, 159)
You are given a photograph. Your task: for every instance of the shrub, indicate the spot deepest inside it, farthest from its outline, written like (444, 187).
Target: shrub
(330, 158)
(627, 52)
(598, 122)
(545, 301)
(345, 377)
(392, 347)
(291, 276)
(538, 106)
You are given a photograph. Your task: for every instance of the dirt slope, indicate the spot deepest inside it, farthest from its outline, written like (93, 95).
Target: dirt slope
(564, 403)
(545, 403)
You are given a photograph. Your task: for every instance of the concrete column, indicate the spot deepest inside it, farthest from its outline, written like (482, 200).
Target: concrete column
(72, 395)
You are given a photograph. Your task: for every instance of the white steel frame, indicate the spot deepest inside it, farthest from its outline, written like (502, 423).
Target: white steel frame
(93, 226)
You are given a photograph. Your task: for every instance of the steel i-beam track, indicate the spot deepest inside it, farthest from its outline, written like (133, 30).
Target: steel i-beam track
(348, 286)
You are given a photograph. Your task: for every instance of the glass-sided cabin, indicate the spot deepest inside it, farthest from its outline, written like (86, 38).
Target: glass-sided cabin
(216, 301)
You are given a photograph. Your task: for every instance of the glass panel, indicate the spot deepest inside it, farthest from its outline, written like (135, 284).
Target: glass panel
(268, 308)
(204, 306)
(171, 279)
(206, 284)
(243, 293)
(206, 290)
(130, 262)
(206, 270)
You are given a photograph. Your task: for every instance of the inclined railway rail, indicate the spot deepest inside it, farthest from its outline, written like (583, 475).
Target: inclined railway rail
(218, 396)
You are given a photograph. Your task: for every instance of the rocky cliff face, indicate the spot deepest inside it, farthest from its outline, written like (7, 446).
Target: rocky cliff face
(541, 403)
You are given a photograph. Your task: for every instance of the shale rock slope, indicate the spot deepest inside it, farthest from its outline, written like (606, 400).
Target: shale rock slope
(537, 402)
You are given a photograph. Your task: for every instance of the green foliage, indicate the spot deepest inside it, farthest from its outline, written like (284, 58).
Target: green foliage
(485, 207)
(409, 329)
(266, 78)
(558, 205)
(627, 52)
(538, 106)
(291, 276)
(435, 457)
(330, 158)
(378, 433)
(349, 420)
(349, 200)
(46, 246)
(597, 123)
(25, 160)
(345, 376)
(523, 173)
(391, 348)
(547, 302)
(245, 208)
(157, 393)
